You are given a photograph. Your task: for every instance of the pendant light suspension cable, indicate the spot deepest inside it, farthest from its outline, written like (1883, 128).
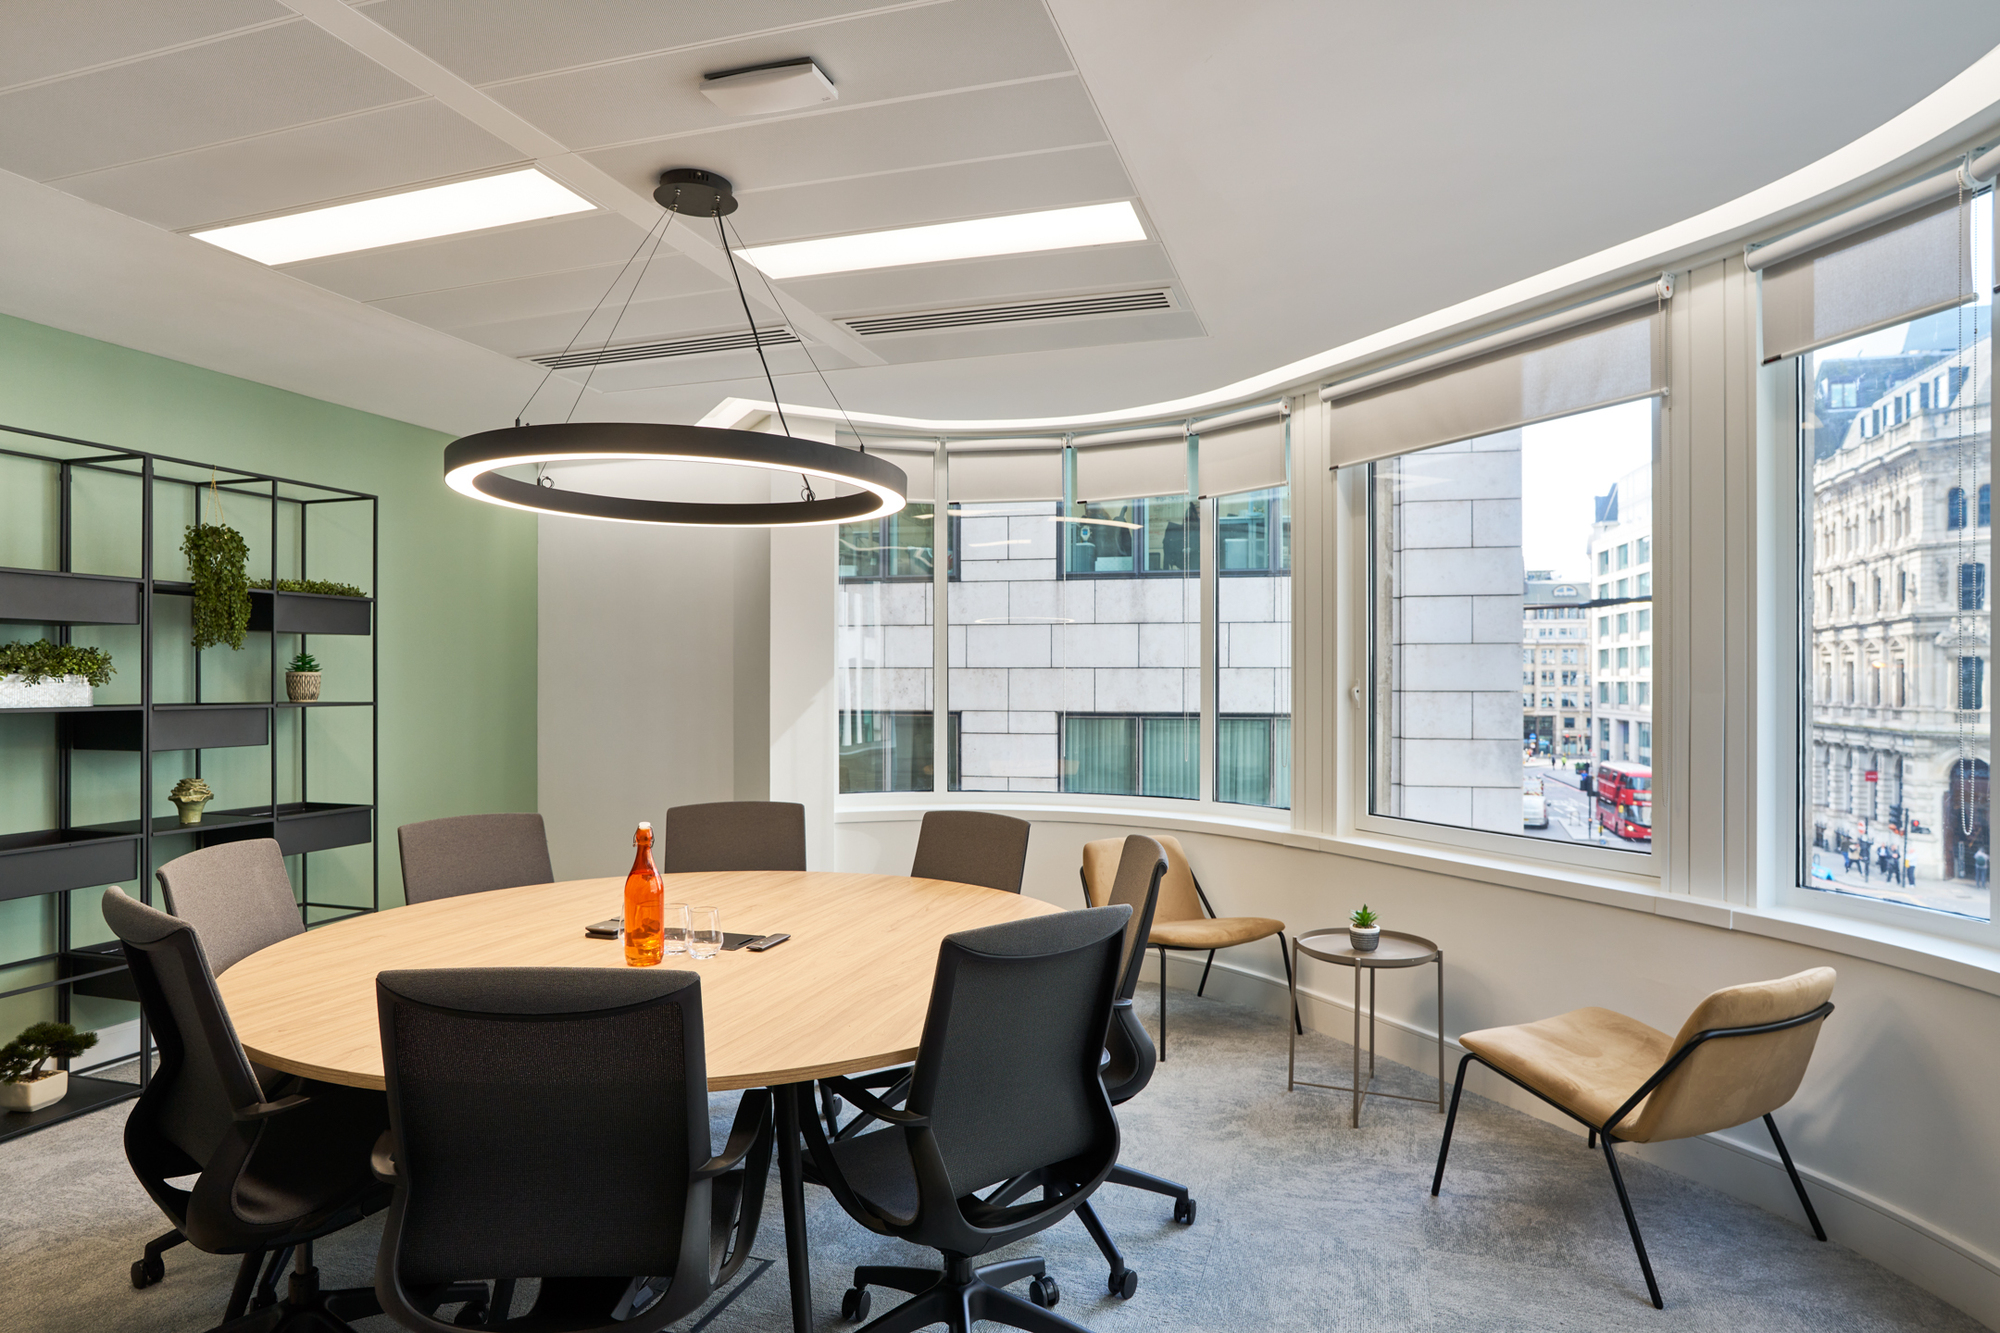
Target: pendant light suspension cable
(571, 344)
(757, 342)
(610, 337)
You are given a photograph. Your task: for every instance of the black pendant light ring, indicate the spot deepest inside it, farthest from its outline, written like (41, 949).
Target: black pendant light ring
(472, 467)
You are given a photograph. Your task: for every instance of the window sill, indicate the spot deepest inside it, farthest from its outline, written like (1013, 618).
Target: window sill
(1962, 963)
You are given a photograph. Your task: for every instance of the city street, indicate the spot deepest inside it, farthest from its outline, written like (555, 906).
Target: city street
(1569, 808)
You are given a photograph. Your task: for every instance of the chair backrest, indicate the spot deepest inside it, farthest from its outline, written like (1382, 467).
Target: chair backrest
(972, 847)
(734, 835)
(237, 897)
(1726, 1081)
(1141, 865)
(548, 1123)
(203, 1077)
(443, 858)
(1007, 1070)
(1179, 900)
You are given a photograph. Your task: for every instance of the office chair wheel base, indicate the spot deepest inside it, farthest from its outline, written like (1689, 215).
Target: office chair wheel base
(145, 1272)
(1044, 1292)
(854, 1303)
(1123, 1283)
(1184, 1211)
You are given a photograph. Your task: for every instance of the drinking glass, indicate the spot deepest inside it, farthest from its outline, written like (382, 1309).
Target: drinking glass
(674, 917)
(704, 935)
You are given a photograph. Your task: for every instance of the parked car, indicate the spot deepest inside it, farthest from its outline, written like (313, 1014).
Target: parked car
(1534, 805)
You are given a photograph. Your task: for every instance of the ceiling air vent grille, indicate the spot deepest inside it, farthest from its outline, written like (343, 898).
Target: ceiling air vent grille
(656, 351)
(1024, 312)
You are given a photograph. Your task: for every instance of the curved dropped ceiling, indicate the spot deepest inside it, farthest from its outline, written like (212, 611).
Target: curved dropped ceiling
(1966, 106)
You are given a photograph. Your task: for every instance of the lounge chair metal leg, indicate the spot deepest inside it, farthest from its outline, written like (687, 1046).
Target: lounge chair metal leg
(1625, 1202)
(1450, 1119)
(1785, 1156)
(1593, 1140)
(1285, 953)
(1203, 987)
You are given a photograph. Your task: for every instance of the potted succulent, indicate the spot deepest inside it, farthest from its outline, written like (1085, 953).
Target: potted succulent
(24, 1084)
(1364, 930)
(189, 796)
(302, 679)
(51, 675)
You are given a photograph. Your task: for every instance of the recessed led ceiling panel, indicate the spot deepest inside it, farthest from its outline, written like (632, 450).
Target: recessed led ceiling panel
(416, 215)
(1022, 233)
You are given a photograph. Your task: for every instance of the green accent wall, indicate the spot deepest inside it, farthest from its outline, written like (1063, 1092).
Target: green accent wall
(456, 607)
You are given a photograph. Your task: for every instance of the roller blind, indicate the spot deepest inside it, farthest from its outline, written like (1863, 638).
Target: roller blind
(1881, 274)
(1128, 471)
(1612, 359)
(1249, 457)
(916, 465)
(1005, 474)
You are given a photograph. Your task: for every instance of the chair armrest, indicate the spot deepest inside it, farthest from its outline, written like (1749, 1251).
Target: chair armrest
(382, 1160)
(874, 1105)
(259, 1110)
(753, 1121)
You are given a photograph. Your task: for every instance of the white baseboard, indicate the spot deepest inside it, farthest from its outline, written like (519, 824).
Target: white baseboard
(1950, 1267)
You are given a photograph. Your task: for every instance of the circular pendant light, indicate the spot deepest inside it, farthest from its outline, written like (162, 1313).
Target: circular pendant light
(473, 464)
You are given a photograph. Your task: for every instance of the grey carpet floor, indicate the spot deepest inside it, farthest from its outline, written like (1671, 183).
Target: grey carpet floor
(1304, 1224)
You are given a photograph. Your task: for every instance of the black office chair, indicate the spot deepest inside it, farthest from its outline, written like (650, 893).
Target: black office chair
(1129, 1055)
(972, 847)
(1006, 1084)
(734, 835)
(443, 858)
(274, 1176)
(552, 1123)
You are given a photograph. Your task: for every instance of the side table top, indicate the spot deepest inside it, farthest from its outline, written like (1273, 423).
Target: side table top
(1397, 948)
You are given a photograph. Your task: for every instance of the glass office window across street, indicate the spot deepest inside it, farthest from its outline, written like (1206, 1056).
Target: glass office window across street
(1895, 447)
(884, 642)
(1512, 630)
(1253, 650)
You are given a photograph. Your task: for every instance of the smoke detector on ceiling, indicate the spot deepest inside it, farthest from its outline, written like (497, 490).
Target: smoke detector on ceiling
(760, 90)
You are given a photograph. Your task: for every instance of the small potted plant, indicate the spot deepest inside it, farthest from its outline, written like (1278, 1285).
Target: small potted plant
(302, 679)
(1364, 930)
(51, 675)
(24, 1084)
(189, 796)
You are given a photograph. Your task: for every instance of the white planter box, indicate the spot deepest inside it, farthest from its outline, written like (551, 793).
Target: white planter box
(44, 1091)
(50, 692)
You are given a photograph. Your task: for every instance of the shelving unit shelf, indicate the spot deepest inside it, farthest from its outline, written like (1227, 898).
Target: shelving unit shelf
(69, 857)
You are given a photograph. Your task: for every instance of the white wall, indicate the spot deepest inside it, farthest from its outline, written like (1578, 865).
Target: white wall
(1893, 1127)
(654, 667)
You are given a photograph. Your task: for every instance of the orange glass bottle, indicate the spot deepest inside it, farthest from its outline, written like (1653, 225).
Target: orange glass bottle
(645, 900)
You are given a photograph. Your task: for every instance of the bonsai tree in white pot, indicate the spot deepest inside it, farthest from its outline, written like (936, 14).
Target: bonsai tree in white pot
(24, 1084)
(1364, 930)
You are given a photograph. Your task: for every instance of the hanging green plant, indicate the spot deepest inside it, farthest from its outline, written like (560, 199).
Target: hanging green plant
(218, 559)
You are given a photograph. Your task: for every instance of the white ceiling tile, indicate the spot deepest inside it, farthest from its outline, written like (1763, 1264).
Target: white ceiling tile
(985, 281)
(539, 334)
(989, 122)
(372, 153)
(457, 261)
(484, 40)
(568, 295)
(1022, 184)
(46, 38)
(253, 84)
(907, 53)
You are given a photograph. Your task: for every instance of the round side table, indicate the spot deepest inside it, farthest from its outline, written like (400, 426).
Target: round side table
(1395, 950)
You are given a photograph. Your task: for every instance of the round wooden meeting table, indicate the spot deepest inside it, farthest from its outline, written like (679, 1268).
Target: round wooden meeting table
(847, 992)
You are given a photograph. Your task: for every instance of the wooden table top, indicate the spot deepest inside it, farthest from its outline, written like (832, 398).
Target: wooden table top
(846, 993)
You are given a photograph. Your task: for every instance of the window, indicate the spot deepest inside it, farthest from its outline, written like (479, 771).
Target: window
(1624, 693)
(1569, 659)
(1645, 622)
(1253, 648)
(1645, 694)
(1461, 525)
(1624, 658)
(1972, 587)
(1624, 623)
(1643, 585)
(1911, 835)
(1131, 756)
(1603, 625)
(1645, 657)
(884, 640)
(1645, 742)
(1985, 504)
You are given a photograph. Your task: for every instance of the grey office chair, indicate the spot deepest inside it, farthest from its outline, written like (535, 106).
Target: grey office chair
(972, 847)
(443, 858)
(576, 1151)
(236, 896)
(272, 1175)
(734, 835)
(1006, 1084)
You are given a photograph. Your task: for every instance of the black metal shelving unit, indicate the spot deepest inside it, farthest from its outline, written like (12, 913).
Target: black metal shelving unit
(68, 857)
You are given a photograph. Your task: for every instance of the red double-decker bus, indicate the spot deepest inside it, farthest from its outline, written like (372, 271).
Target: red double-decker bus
(1625, 800)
